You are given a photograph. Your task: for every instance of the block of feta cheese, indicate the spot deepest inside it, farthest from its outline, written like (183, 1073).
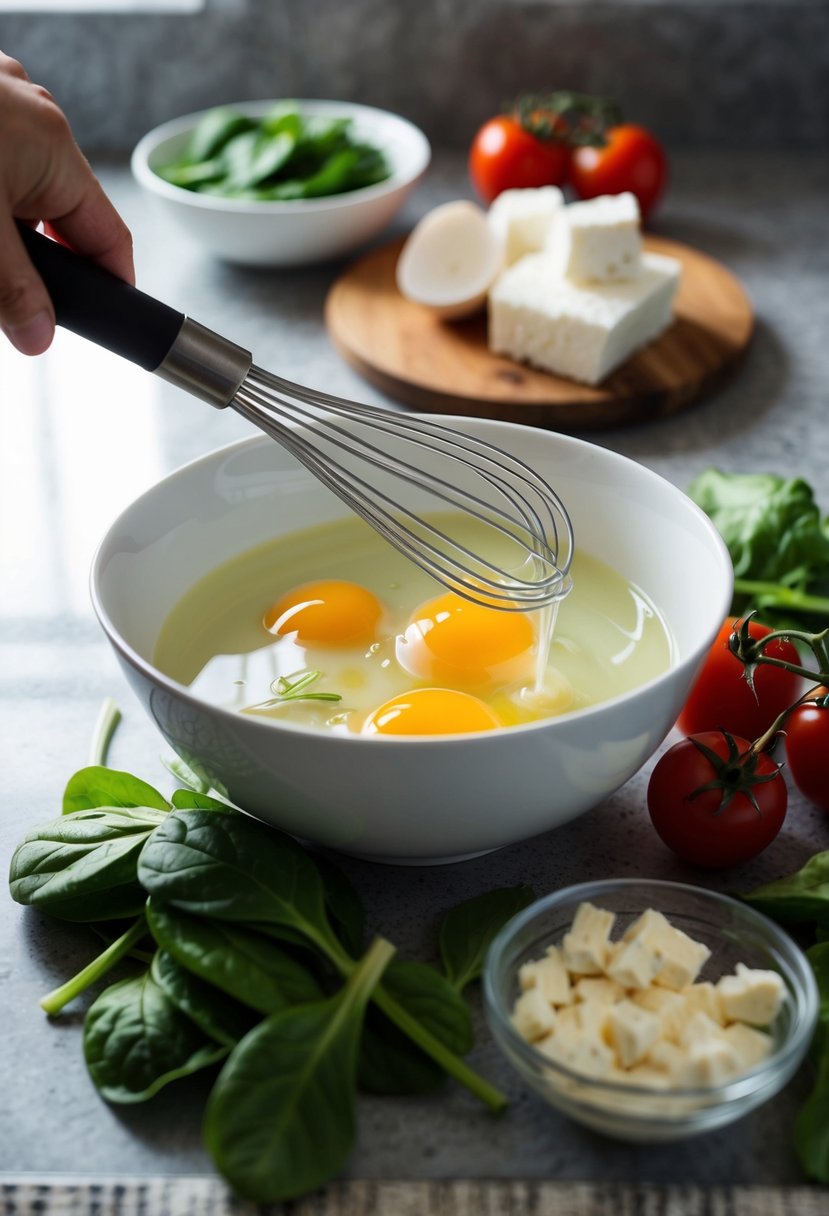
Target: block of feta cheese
(597, 241)
(586, 946)
(751, 995)
(576, 331)
(522, 218)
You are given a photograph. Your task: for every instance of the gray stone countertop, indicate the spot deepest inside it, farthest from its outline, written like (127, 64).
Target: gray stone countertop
(83, 433)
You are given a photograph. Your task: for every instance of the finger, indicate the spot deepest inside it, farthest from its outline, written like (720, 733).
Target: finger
(27, 316)
(94, 229)
(11, 67)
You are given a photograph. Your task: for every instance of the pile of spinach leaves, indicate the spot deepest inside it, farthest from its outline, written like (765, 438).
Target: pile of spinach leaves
(247, 953)
(282, 156)
(778, 542)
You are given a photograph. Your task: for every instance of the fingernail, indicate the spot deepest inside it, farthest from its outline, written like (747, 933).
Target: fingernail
(32, 337)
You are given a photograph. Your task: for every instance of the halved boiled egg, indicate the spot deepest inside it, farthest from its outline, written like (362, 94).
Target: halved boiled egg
(431, 711)
(450, 260)
(331, 611)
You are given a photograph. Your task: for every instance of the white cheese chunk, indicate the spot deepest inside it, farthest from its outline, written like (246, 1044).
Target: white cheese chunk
(533, 1017)
(597, 241)
(633, 964)
(598, 990)
(575, 331)
(751, 995)
(705, 997)
(550, 975)
(708, 1063)
(586, 946)
(632, 1031)
(751, 1045)
(670, 1008)
(521, 219)
(682, 958)
(581, 1052)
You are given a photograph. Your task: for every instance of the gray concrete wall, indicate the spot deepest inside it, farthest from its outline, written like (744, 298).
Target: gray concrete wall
(701, 73)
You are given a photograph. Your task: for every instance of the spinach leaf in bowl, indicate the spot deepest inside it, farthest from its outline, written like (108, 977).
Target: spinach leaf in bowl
(284, 155)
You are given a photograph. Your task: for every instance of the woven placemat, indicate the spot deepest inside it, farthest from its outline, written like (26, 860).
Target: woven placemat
(28, 1196)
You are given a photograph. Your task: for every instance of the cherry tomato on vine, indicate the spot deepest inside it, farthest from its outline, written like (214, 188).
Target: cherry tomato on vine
(807, 750)
(713, 802)
(721, 698)
(505, 156)
(632, 159)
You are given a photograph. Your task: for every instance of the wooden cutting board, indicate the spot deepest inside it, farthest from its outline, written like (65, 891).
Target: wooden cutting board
(445, 367)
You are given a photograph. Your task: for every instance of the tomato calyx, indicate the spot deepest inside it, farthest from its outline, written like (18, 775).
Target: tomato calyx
(736, 774)
(574, 119)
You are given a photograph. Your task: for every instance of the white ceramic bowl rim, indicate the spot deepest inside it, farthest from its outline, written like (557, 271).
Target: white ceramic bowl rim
(147, 177)
(805, 1011)
(480, 738)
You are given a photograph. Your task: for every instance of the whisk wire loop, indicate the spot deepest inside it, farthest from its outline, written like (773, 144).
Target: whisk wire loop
(335, 438)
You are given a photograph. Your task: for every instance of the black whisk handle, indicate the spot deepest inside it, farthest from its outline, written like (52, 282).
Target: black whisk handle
(101, 307)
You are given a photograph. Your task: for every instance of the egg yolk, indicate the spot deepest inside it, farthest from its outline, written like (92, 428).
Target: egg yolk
(450, 640)
(431, 711)
(332, 611)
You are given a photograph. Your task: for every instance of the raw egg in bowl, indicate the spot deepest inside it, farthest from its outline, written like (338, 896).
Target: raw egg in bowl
(337, 692)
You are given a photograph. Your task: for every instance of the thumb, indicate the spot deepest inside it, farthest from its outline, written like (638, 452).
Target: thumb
(27, 316)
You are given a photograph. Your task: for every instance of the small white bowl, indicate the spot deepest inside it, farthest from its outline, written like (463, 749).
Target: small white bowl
(431, 798)
(287, 233)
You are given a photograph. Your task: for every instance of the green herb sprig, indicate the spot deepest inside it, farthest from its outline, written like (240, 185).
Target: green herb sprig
(295, 688)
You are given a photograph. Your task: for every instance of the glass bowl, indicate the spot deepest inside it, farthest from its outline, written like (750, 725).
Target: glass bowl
(732, 931)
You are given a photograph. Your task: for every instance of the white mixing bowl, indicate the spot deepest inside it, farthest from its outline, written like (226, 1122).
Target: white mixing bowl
(427, 799)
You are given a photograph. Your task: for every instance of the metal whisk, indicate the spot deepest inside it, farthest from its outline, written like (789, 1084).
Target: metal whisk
(391, 468)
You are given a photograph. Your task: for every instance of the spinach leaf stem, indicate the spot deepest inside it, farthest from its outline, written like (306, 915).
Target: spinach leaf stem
(54, 1001)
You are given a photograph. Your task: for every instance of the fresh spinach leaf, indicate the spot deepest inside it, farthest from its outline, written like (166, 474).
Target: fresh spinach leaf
(468, 930)
(818, 956)
(194, 800)
(96, 786)
(390, 1063)
(215, 130)
(778, 542)
(83, 866)
(136, 1041)
(294, 1072)
(231, 868)
(254, 156)
(811, 1128)
(216, 1014)
(802, 896)
(345, 908)
(235, 958)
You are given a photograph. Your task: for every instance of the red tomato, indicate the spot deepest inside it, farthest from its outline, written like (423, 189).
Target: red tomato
(632, 159)
(807, 751)
(733, 820)
(504, 156)
(721, 698)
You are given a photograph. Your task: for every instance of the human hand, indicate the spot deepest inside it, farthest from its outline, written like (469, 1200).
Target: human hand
(44, 176)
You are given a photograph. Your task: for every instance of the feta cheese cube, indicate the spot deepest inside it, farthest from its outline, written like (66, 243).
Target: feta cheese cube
(708, 1063)
(633, 964)
(682, 958)
(586, 946)
(699, 1028)
(550, 975)
(705, 997)
(533, 1016)
(751, 995)
(668, 1058)
(750, 1045)
(598, 990)
(576, 331)
(631, 1031)
(584, 1053)
(668, 1006)
(521, 219)
(645, 1076)
(597, 241)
